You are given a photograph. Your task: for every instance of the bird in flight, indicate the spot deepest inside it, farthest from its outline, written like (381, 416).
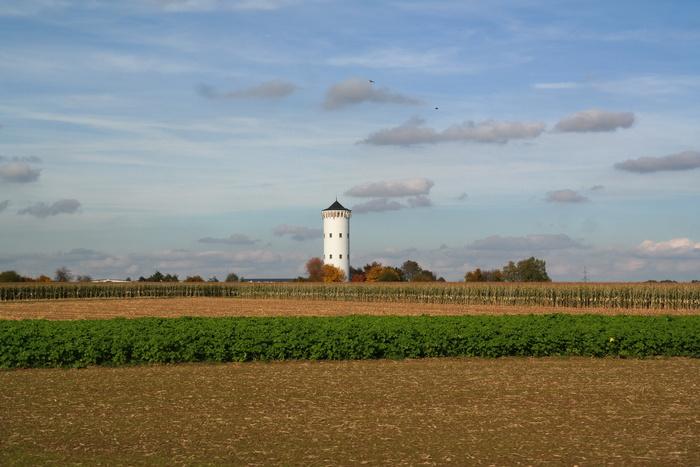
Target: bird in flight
(371, 81)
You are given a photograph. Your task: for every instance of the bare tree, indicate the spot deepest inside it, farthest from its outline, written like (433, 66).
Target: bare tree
(63, 274)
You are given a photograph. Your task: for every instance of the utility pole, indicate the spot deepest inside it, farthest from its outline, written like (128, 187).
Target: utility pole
(585, 275)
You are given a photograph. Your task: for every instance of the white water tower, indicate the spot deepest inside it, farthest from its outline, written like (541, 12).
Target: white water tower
(336, 237)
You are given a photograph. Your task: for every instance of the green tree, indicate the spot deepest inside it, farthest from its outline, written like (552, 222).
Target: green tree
(389, 274)
(420, 277)
(10, 276)
(527, 270)
(410, 268)
(194, 279)
(84, 278)
(232, 277)
(156, 277)
(424, 273)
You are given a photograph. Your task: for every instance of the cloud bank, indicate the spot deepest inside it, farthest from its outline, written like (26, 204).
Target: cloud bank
(62, 206)
(595, 120)
(686, 160)
(378, 205)
(410, 187)
(413, 132)
(565, 196)
(529, 243)
(354, 91)
(298, 233)
(677, 247)
(234, 239)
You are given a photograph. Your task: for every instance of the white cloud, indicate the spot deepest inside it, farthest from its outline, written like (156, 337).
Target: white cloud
(686, 160)
(677, 247)
(565, 196)
(63, 206)
(410, 187)
(595, 120)
(19, 172)
(355, 91)
(413, 132)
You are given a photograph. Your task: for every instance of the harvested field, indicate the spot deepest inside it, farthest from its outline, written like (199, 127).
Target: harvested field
(216, 307)
(585, 412)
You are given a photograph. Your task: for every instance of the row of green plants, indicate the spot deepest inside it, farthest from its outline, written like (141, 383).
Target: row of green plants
(581, 295)
(120, 341)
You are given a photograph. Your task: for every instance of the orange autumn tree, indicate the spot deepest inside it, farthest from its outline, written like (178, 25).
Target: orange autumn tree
(332, 273)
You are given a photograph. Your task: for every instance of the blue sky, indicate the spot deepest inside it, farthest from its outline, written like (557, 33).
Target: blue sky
(205, 137)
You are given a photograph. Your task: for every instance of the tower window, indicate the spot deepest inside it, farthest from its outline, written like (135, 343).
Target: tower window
(330, 256)
(330, 235)
(341, 235)
(341, 256)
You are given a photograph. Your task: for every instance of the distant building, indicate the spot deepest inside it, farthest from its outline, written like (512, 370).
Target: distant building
(336, 237)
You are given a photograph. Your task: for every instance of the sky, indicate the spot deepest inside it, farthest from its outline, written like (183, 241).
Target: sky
(204, 137)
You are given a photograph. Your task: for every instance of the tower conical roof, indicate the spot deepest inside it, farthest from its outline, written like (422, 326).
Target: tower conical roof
(336, 207)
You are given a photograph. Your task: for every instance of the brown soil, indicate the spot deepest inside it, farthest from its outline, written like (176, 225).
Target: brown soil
(214, 307)
(586, 412)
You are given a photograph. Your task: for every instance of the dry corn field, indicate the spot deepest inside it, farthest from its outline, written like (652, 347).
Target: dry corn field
(216, 307)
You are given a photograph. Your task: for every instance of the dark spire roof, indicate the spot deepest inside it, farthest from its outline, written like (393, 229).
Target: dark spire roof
(336, 207)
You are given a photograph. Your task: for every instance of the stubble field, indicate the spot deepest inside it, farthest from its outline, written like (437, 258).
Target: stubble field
(507, 411)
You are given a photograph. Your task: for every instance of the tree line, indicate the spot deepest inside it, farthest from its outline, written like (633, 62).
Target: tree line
(410, 271)
(64, 274)
(527, 270)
